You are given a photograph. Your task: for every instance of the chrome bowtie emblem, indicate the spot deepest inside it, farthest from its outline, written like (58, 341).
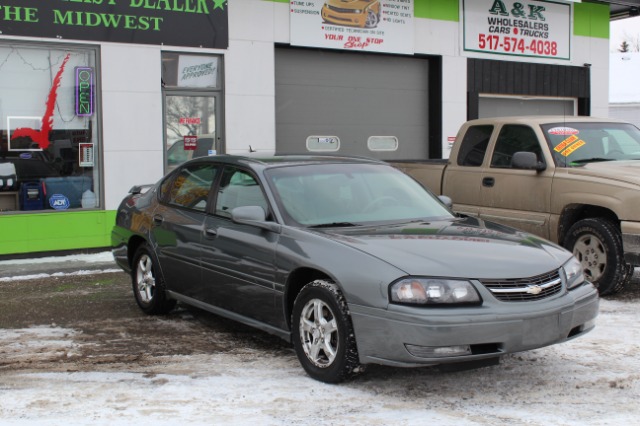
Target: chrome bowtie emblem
(534, 289)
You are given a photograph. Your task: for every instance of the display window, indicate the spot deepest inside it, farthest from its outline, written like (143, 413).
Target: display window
(49, 136)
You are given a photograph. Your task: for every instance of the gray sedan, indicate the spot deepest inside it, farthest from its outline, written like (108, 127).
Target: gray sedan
(350, 260)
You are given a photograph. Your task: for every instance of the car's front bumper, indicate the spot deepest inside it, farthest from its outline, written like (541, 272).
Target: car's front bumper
(401, 335)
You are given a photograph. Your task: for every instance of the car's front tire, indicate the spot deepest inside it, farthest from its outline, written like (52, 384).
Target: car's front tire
(597, 244)
(148, 285)
(323, 335)
(372, 19)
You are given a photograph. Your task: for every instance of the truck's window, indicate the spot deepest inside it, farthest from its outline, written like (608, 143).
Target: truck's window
(514, 138)
(574, 144)
(474, 145)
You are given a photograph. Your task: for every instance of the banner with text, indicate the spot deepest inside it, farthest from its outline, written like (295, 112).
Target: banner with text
(199, 23)
(364, 25)
(533, 28)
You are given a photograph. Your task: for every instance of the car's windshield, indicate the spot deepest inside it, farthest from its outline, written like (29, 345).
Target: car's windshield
(576, 143)
(351, 194)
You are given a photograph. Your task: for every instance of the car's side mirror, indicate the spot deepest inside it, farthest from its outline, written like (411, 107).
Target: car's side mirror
(447, 201)
(526, 160)
(254, 216)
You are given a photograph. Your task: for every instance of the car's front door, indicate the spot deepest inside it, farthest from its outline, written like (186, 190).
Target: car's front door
(238, 260)
(177, 227)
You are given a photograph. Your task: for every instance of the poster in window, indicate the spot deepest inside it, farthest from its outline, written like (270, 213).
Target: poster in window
(85, 151)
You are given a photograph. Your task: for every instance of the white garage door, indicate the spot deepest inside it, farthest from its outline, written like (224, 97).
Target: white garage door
(511, 106)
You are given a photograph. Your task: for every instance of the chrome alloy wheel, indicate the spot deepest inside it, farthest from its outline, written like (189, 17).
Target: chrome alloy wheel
(319, 333)
(145, 281)
(592, 254)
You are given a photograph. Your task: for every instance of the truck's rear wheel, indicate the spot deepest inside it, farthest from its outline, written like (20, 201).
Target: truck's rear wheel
(598, 246)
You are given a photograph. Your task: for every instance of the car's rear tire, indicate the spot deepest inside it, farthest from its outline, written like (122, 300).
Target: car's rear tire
(322, 333)
(148, 285)
(597, 244)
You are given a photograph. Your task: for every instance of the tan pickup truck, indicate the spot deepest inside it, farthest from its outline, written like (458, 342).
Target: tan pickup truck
(572, 180)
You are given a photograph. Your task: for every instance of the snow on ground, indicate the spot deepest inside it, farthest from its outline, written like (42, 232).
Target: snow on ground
(75, 264)
(592, 380)
(105, 256)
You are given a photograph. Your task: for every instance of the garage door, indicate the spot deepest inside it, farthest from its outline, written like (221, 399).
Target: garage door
(511, 106)
(352, 104)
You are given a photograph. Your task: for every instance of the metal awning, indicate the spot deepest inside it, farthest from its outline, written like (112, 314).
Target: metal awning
(620, 9)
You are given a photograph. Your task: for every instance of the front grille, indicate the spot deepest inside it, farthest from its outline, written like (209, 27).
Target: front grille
(525, 289)
(340, 9)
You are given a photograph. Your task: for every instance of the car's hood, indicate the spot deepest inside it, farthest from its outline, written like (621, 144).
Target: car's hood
(465, 248)
(623, 171)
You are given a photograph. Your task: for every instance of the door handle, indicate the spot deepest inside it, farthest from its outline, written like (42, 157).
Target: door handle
(488, 181)
(158, 219)
(210, 233)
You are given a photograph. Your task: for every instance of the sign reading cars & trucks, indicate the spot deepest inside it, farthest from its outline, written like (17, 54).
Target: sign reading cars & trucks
(531, 28)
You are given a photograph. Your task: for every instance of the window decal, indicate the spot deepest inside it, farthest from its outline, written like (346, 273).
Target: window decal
(41, 137)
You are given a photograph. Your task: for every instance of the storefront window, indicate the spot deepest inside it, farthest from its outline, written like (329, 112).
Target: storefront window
(49, 138)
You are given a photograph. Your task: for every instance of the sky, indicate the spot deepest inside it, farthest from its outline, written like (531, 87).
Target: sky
(624, 29)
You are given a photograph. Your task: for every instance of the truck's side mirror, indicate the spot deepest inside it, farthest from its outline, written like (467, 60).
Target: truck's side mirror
(526, 160)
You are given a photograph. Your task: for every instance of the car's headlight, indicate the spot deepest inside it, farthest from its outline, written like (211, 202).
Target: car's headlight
(434, 291)
(573, 273)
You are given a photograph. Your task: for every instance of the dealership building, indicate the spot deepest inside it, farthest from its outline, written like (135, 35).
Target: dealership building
(99, 95)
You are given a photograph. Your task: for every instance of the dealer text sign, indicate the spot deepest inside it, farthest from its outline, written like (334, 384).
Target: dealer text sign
(361, 25)
(170, 22)
(530, 28)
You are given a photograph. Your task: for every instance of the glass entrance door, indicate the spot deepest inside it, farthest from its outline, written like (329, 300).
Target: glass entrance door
(191, 128)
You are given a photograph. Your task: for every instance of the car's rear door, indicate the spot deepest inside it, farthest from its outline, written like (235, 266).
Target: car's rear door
(177, 227)
(462, 177)
(237, 259)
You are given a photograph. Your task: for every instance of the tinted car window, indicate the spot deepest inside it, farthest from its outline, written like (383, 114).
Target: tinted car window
(238, 188)
(474, 145)
(512, 139)
(190, 187)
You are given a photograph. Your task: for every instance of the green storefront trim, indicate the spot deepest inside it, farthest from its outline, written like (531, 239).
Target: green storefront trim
(442, 10)
(55, 231)
(591, 20)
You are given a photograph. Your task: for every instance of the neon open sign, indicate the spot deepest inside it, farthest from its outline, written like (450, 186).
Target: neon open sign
(84, 91)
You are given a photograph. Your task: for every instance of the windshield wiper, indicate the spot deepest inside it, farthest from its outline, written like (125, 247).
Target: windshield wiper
(590, 160)
(334, 225)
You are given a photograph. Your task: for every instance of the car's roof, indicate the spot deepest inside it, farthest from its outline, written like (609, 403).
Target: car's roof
(542, 119)
(288, 160)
